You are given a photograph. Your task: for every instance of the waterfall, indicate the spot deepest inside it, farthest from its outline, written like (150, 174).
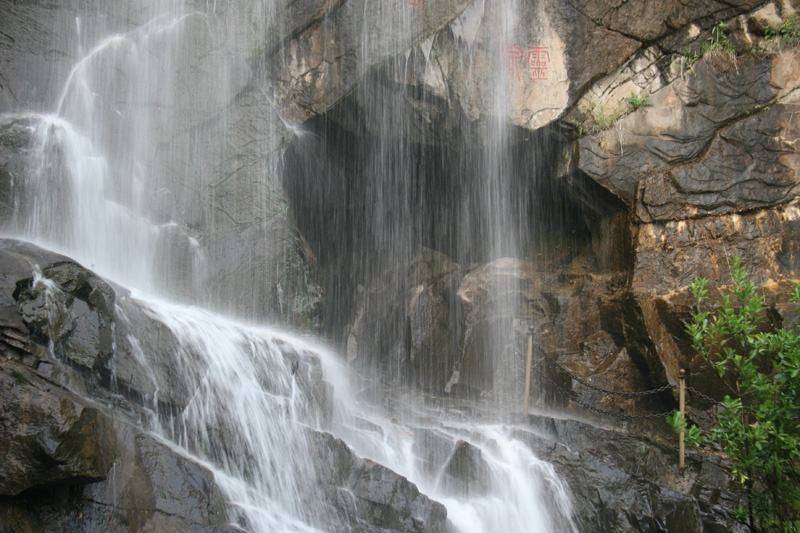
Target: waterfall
(89, 190)
(66, 204)
(92, 192)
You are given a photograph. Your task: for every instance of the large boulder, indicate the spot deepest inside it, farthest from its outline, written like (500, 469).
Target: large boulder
(466, 473)
(585, 328)
(84, 329)
(368, 495)
(464, 333)
(49, 437)
(71, 465)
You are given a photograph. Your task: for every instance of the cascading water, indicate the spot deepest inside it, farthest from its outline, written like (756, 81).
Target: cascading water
(88, 193)
(92, 163)
(498, 228)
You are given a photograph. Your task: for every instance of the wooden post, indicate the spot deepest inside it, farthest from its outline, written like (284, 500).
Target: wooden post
(682, 405)
(528, 369)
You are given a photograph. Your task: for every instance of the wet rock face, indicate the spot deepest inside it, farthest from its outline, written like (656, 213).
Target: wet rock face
(16, 145)
(226, 195)
(369, 496)
(76, 316)
(466, 472)
(624, 482)
(74, 387)
(50, 301)
(587, 325)
(71, 465)
(48, 439)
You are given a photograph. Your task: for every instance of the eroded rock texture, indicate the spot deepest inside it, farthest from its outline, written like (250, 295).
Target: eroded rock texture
(709, 172)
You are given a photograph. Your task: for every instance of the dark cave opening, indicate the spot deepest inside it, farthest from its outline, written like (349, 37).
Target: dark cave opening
(368, 198)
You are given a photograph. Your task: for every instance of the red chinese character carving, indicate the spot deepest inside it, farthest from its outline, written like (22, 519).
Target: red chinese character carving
(539, 62)
(416, 3)
(514, 57)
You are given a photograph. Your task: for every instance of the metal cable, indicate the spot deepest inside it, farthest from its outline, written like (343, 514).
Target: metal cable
(632, 394)
(604, 412)
(703, 395)
(610, 392)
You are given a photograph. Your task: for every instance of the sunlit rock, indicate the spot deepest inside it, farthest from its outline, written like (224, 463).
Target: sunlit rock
(710, 119)
(670, 255)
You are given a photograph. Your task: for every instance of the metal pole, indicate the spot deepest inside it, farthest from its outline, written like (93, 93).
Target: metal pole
(682, 404)
(528, 365)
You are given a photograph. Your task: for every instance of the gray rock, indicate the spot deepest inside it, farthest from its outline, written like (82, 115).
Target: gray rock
(369, 496)
(84, 322)
(466, 473)
(49, 436)
(678, 128)
(16, 143)
(750, 164)
(648, 20)
(70, 465)
(323, 63)
(68, 406)
(623, 481)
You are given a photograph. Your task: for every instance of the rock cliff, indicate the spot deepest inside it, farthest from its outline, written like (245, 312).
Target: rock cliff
(330, 158)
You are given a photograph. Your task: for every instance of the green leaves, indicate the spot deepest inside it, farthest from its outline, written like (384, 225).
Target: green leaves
(699, 290)
(693, 434)
(758, 423)
(787, 33)
(637, 101)
(675, 420)
(719, 41)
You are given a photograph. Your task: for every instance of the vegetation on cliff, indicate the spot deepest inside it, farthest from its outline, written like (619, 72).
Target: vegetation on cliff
(758, 423)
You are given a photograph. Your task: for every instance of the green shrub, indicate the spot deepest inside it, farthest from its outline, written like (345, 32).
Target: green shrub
(603, 119)
(788, 33)
(637, 101)
(758, 422)
(690, 57)
(718, 42)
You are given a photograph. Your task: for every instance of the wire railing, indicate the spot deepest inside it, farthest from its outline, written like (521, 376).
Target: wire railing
(575, 398)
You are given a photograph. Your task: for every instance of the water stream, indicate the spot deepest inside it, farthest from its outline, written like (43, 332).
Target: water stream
(95, 158)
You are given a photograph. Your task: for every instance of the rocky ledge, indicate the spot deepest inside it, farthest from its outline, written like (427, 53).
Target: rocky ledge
(76, 458)
(72, 397)
(624, 481)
